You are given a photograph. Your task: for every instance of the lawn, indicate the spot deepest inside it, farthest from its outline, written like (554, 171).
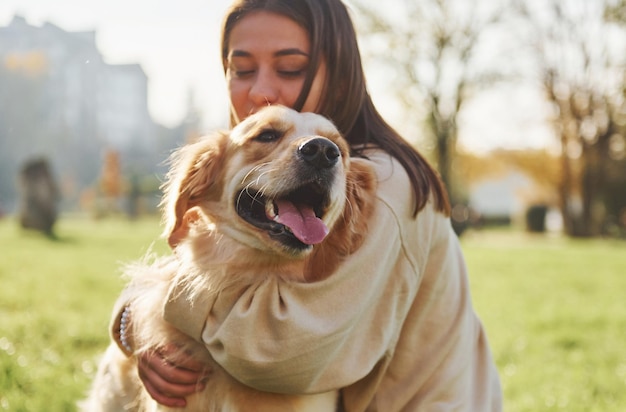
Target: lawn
(55, 301)
(554, 310)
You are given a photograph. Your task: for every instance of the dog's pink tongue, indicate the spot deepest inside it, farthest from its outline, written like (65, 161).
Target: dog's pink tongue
(301, 219)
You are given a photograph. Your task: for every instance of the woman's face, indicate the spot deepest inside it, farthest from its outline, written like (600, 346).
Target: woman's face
(268, 57)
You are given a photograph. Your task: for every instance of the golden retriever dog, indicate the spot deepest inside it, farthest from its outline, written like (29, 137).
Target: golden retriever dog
(279, 195)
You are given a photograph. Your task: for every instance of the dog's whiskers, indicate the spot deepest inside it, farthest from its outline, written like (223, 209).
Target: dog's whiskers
(266, 185)
(255, 196)
(254, 169)
(349, 205)
(263, 189)
(238, 199)
(264, 170)
(348, 201)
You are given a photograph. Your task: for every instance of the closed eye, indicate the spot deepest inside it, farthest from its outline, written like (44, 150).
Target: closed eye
(267, 136)
(291, 74)
(243, 73)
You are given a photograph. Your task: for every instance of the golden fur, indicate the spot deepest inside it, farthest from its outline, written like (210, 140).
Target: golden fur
(218, 191)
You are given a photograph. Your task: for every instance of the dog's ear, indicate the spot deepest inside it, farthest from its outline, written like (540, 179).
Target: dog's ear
(194, 175)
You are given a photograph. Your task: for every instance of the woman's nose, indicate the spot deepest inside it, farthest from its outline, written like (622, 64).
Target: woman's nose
(263, 92)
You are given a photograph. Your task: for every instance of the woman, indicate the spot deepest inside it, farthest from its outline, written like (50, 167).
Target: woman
(399, 331)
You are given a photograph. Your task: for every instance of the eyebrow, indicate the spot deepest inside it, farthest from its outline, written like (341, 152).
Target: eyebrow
(282, 52)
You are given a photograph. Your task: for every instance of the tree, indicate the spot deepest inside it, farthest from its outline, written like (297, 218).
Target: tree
(581, 72)
(616, 195)
(432, 50)
(39, 197)
(616, 12)
(111, 182)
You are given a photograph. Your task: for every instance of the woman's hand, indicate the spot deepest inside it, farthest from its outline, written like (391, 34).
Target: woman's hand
(169, 383)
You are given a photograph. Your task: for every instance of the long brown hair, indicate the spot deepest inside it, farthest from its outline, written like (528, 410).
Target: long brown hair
(345, 99)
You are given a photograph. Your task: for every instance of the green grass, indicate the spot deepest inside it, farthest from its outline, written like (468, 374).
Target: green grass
(55, 301)
(555, 313)
(554, 310)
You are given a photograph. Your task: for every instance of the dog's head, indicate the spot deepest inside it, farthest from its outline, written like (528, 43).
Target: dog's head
(277, 183)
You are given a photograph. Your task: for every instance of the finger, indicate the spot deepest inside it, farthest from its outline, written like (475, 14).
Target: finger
(166, 378)
(175, 373)
(165, 400)
(183, 361)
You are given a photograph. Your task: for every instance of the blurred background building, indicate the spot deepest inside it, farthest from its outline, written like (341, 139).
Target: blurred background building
(60, 100)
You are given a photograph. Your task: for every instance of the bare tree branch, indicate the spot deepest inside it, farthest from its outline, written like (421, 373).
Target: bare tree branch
(432, 49)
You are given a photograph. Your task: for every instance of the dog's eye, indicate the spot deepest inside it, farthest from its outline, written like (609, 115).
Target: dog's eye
(267, 136)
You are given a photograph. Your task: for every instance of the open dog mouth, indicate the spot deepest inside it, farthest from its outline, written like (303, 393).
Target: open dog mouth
(293, 218)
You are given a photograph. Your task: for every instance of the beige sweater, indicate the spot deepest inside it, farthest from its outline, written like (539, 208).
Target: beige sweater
(394, 326)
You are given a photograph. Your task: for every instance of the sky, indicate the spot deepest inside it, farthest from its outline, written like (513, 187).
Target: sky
(177, 44)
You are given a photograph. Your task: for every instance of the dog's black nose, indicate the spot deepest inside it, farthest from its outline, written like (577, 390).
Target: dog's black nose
(319, 152)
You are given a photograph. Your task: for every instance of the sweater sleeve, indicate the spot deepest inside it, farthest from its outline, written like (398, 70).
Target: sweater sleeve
(289, 337)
